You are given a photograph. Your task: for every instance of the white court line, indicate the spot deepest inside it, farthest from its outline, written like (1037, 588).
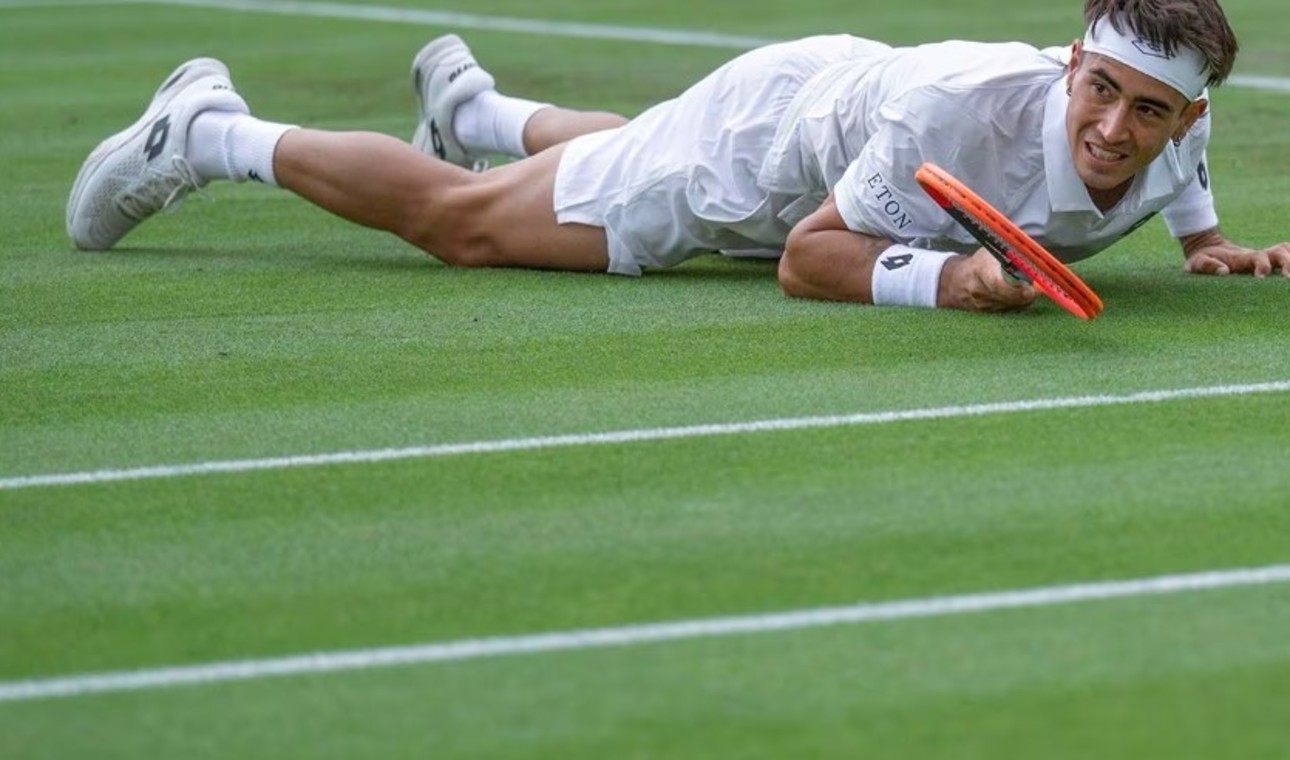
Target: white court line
(1268, 84)
(632, 635)
(455, 20)
(629, 436)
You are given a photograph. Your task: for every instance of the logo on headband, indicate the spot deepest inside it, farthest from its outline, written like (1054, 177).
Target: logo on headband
(1147, 47)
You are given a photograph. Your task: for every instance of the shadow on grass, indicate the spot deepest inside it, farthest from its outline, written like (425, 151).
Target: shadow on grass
(1181, 298)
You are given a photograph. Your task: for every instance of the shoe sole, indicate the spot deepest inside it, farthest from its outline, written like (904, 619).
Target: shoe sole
(176, 83)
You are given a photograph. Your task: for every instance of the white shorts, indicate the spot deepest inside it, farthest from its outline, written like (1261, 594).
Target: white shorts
(681, 179)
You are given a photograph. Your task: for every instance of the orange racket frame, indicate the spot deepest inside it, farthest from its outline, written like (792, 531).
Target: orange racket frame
(1019, 254)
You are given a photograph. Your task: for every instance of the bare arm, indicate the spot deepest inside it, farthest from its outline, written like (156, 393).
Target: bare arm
(1209, 252)
(824, 260)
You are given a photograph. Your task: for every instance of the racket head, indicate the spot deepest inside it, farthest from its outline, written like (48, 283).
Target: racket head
(1019, 254)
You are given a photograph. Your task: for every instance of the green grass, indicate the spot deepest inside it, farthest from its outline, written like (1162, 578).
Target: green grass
(252, 325)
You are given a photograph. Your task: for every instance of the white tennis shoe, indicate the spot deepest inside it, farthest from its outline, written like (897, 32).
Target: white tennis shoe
(143, 169)
(444, 75)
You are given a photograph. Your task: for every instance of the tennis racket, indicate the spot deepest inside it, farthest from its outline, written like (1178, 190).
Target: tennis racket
(1018, 253)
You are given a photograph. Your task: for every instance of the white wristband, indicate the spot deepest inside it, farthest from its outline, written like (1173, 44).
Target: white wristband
(904, 276)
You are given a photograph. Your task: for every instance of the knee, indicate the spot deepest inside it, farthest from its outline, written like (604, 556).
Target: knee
(453, 226)
(463, 245)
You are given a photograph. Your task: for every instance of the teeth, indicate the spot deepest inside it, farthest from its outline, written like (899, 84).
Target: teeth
(1103, 155)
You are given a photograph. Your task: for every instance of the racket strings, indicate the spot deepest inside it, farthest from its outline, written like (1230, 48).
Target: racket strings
(1013, 261)
(1017, 254)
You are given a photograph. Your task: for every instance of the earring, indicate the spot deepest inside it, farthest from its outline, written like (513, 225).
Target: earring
(1068, 92)
(1177, 140)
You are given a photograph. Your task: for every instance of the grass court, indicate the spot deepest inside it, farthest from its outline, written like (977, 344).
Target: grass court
(250, 327)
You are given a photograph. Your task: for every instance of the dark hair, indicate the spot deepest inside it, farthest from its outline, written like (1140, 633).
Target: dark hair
(1197, 24)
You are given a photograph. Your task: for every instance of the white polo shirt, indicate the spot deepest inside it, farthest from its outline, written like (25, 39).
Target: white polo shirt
(992, 115)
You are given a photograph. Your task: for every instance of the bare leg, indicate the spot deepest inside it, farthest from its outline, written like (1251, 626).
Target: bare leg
(553, 126)
(503, 218)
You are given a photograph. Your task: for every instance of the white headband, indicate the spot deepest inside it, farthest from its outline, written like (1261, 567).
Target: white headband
(1184, 70)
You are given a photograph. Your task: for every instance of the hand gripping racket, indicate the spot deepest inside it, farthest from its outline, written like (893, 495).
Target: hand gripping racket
(1019, 254)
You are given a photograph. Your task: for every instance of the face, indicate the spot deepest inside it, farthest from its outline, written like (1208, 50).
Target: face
(1119, 120)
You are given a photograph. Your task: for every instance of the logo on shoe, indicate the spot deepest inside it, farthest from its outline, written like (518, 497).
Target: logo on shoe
(462, 69)
(171, 82)
(156, 141)
(436, 141)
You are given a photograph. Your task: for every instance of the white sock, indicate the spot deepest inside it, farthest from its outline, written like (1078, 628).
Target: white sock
(236, 146)
(492, 123)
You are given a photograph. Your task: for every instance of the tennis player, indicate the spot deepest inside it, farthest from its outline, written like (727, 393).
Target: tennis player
(803, 150)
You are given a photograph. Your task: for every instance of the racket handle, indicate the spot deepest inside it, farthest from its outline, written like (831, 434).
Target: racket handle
(1009, 269)
(1012, 273)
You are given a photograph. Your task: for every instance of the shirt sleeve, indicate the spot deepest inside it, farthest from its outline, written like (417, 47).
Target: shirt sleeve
(878, 195)
(1193, 211)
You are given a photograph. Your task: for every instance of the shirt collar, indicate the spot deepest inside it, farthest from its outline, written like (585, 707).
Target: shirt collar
(1066, 191)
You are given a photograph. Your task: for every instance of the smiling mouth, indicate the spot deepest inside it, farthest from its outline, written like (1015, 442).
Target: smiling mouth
(1102, 154)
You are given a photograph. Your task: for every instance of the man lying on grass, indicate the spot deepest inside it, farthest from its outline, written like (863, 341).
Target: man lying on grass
(804, 150)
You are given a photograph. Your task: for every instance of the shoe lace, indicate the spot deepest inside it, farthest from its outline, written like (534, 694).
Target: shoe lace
(162, 188)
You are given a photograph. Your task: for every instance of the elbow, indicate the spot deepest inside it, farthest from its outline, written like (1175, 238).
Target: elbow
(790, 278)
(789, 282)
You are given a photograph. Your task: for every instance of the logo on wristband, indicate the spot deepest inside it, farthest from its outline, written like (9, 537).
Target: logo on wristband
(896, 262)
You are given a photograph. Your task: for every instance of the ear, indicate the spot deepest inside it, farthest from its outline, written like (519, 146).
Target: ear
(1194, 110)
(1077, 55)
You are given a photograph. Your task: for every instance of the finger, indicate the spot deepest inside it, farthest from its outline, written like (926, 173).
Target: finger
(986, 268)
(1262, 264)
(1025, 298)
(1202, 264)
(994, 289)
(1026, 293)
(1280, 257)
(1016, 293)
(1002, 293)
(1013, 300)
